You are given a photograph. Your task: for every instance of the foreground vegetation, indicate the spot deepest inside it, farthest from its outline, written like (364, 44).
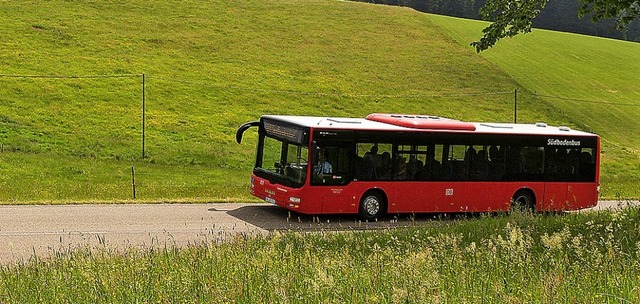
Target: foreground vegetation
(213, 65)
(590, 257)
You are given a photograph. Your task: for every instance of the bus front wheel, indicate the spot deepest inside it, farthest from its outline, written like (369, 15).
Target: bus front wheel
(371, 206)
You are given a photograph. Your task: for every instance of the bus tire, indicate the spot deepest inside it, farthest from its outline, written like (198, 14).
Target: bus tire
(372, 206)
(523, 200)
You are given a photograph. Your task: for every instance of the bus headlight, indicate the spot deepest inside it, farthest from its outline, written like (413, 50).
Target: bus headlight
(295, 200)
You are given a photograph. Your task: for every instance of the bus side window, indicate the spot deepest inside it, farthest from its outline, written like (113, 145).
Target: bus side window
(415, 166)
(480, 166)
(383, 166)
(496, 163)
(533, 158)
(515, 164)
(400, 167)
(365, 166)
(333, 165)
(433, 163)
(586, 167)
(558, 166)
(460, 157)
(446, 170)
(374, 161)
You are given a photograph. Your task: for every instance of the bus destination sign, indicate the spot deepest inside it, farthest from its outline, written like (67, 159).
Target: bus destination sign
(563, 142)
(286, 132)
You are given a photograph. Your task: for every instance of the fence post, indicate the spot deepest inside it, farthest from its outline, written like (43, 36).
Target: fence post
(143, 114)
(133, 181)
(515, 105)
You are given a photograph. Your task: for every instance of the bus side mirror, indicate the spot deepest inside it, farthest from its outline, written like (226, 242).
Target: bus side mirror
(243, 128)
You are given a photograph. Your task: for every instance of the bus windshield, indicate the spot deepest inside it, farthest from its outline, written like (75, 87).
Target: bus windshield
(282, 162)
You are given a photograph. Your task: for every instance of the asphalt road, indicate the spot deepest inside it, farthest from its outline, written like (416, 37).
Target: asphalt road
(43, 230)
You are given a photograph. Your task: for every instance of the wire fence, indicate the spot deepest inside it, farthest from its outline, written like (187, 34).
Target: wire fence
(382, 96)
(329, 94)
(71, 76)
(284, 92)
(319, 93)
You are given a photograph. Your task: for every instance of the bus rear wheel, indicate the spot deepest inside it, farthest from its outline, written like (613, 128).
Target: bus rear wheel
(523, 200)
(371, 206)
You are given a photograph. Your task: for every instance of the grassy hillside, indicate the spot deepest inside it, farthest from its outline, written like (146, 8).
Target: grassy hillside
(210, 66)
(593, 83)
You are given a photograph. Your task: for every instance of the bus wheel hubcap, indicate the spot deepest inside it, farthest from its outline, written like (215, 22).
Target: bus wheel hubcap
(371, 205)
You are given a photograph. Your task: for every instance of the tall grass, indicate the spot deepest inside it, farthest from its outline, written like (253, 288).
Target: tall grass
(522, 258)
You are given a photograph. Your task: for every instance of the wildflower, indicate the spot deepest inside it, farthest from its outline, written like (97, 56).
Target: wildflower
(471, 248)
(555, 241)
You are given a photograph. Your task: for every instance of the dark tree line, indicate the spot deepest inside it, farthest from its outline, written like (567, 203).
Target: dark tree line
(559, 15)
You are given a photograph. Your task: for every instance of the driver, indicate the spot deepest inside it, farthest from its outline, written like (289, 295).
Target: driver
(323, 166)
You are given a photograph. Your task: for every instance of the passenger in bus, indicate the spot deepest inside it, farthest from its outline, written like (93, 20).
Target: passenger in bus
(514, 160)
(368, 167)
(462, 170)
(384, 171)
(552, 162)
(533, 160)
(432, 168)
(560, 162)
(414, 167)
(574, 159)
(585, 158)
(480, 166)
(469, 155)
(401, 168)
(586, 167)
(323, 167)
(446, 170)
(494, 153)
(374, 155)
(496, 163)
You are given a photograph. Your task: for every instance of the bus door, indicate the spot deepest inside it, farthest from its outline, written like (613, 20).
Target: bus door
(558, 171)
(331, 172)
(572, 170)
(334, 202)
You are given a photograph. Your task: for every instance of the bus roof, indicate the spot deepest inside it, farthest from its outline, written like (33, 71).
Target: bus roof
(424, 123)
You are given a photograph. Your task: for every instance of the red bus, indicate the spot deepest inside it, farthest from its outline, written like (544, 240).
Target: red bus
(387, 163)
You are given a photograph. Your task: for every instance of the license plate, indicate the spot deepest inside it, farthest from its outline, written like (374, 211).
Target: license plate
(270, 200)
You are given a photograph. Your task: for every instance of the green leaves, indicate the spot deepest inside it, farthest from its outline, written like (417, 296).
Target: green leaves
(623, 10)
(510, 18)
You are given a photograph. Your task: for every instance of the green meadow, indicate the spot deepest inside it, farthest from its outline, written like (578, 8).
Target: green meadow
(209, 66)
